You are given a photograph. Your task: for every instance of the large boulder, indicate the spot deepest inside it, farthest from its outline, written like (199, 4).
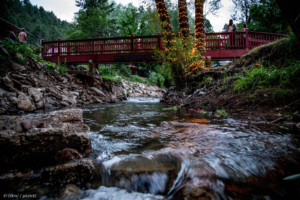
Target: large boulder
(33, 141)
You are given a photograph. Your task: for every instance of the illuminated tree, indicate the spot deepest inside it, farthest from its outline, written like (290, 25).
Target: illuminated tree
(183, 18)
(164, 21)
(199, 25)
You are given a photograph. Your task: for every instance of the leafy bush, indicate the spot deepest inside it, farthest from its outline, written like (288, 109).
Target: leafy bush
(62, 68)
(261, 77)
(107, 71)
(156, 79)
(124, 70)
(165, 71)
(279, 83)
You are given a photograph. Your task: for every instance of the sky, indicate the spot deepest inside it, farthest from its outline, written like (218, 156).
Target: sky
(65, 9)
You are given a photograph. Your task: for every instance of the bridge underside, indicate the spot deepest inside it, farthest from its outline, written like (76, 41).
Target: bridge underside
(225, 54)
(104, 58)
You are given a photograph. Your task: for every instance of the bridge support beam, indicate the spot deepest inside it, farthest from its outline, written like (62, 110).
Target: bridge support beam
(92, 66)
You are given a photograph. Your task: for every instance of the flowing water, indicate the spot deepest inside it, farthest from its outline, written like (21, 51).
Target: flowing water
(144, 151)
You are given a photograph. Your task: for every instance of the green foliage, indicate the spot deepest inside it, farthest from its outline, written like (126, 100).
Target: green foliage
(93, 20)
(267, 17)
(50, 66)
(222, 113)
(262, 77)
(107, 71)
(110, 74)
(124, 70)
(132, 22)
(62, 68)
(281, 83)
(182, 58)
(156, 79)
(165, 71)
(15, 47)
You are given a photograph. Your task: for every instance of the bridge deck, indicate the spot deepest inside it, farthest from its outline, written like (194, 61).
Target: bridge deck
(219, 46)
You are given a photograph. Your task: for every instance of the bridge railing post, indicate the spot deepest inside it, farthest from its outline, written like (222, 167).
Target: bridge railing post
(43, 49)
(131, 43)
(68, 48)
(59, 47)
(247, 38)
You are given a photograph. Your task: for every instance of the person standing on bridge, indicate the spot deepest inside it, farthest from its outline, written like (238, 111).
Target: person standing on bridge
(231, 28)
(22, 36)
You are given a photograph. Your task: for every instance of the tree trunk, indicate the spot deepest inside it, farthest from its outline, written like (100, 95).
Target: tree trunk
(164, 21)
(291, 12)
(199, 25)
(183, 18)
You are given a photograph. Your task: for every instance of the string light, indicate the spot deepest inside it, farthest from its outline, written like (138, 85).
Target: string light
(183, 18)
(184, 53)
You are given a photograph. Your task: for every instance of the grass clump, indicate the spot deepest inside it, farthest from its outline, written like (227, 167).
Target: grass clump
(280, 82)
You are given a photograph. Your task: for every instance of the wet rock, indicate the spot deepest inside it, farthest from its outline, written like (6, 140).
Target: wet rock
(98, 92)
(70, 192)
(40, 104)
(44, 136)
(77, 172)
(2, 91)
(198, 194)
(36, 94)
(13, 100)
(17, 67)
(24, 103)
(8, 83)
(66, 155)
(145, 175)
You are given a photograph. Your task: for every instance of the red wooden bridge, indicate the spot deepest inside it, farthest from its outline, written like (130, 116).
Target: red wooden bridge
(134, 49)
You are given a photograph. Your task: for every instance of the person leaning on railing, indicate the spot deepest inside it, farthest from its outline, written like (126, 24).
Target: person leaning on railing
(244, 29)
(22, 36)
(231, 28)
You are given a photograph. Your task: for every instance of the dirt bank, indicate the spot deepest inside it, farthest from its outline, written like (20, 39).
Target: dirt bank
(215, 89)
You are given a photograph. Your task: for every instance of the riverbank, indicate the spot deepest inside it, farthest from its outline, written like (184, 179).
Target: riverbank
(262, 85)
(27, 85)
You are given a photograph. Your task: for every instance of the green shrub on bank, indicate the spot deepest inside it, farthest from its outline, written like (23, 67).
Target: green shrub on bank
(156, 79)
(281, 83)
(262, 77)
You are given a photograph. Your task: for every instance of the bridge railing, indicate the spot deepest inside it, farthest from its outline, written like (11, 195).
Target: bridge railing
(113, 45)
(87, 49)
(239, 40)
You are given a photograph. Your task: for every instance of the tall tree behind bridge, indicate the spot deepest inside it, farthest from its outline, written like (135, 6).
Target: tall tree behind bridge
(93, 20)
(291, 12)
(242, 8)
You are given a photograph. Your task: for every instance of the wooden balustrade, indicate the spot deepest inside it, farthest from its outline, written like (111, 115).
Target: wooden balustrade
(142, 48)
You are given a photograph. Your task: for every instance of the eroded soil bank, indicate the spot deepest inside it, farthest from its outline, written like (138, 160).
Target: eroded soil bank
(215, 88)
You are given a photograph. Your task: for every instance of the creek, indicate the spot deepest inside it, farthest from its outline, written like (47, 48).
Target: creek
(144, 151)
